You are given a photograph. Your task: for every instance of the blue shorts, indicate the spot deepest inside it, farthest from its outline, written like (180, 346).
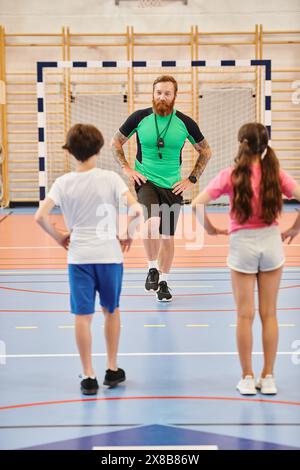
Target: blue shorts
(87, 279)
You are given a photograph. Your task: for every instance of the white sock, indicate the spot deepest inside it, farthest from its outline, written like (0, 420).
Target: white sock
(163, 277)
(152, 264)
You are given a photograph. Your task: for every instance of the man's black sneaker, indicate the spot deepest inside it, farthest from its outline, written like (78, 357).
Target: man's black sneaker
(163, 294)
(89, 386)
(113, 377)
(152, 280)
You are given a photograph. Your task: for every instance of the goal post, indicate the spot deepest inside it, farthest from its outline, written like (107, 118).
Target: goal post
(97, 93)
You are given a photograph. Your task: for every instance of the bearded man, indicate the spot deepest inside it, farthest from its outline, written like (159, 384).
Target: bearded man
(161, 132)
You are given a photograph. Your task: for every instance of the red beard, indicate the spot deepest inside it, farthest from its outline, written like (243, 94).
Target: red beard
(162, 108)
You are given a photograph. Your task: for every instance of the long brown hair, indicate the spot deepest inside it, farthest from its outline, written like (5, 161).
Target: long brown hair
(253, 138)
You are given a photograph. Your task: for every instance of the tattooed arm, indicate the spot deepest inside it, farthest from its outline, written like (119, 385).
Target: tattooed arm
(204, 152)
(117, 143)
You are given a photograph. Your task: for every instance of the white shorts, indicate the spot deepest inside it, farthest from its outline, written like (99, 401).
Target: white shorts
(254, 250)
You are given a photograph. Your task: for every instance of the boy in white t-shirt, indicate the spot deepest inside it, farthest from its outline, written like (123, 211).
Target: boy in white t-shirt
(89, 198)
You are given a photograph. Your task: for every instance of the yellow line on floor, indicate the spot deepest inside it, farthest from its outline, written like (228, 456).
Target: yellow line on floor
(26, 327)
(196, 326)
(155, 326)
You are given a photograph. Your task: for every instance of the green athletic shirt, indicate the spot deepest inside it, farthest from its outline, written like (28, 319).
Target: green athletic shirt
(165, 171)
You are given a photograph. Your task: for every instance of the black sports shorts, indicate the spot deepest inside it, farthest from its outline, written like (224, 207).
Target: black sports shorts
(162, 203)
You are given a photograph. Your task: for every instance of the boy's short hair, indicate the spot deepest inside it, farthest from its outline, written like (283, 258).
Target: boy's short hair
(83, 141)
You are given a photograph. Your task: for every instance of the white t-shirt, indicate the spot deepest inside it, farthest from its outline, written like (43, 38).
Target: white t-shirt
(89, 202)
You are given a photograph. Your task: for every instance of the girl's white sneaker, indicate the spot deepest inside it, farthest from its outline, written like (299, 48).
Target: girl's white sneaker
(246, 386)
(267, 385)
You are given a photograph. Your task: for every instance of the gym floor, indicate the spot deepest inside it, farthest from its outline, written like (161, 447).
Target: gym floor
(180, 358)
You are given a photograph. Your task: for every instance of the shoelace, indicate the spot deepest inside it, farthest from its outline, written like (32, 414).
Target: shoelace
(248, 380)
(268, 380)
(164, 287)
(152, 274)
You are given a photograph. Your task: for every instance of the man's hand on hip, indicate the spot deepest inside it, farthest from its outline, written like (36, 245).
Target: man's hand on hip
(182, 185)
(134, 175)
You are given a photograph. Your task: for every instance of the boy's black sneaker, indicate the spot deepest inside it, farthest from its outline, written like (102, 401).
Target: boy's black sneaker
(163, 294)
(152, 280)
(113, 377)
(89, 386)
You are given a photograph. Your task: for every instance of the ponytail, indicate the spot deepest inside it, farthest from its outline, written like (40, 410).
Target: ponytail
(241, 180)
(253, 138)
(270, 189)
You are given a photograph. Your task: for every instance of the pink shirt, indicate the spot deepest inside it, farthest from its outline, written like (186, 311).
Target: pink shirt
(222, 184)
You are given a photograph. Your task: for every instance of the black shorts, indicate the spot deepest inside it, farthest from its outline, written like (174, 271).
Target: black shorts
(162, 203)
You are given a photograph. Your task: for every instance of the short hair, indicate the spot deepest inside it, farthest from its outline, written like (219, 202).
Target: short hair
(166, 78)
(83, 141)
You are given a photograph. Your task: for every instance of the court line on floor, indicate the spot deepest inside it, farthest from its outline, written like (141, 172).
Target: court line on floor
(119, 425)
(157, 310)
(158, 325)
(4, 216)
(126, 280)
(159, 397)
(143, 354)
(31, 291)
(133, 246)
(175, 270)
(136, 277)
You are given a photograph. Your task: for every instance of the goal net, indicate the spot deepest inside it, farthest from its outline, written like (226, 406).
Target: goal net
(223, 111)
(220, 98)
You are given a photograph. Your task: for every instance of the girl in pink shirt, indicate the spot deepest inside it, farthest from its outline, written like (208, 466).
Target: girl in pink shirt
(254, 184)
